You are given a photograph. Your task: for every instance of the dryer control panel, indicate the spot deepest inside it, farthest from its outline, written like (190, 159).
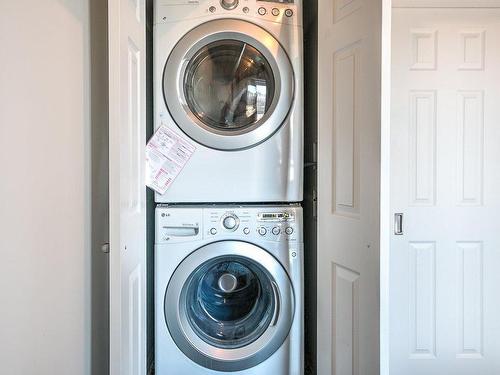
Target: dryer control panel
(280, 11)
(187, 224)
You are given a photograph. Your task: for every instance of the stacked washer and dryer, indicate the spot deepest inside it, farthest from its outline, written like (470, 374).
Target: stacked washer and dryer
(228, 242)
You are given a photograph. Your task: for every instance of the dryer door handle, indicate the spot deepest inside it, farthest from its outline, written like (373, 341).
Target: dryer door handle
(277, 306)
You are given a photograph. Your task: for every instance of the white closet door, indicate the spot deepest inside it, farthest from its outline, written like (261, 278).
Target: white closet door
(445, 169)
(348, 186)
(127, 132)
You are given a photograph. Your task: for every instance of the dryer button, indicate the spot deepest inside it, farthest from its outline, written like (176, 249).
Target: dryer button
(229, 4)
(262, 231)
(289, 230)
(262, 11)
(276, 231)
(213, 231)
(275, 12)
(288, 12)
(246, 230)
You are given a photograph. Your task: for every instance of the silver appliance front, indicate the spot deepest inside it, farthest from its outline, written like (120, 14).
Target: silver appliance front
(228, 84)
(229, 305)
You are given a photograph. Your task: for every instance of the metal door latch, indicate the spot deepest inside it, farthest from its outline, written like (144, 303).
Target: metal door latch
(398, 224)
(105, 247)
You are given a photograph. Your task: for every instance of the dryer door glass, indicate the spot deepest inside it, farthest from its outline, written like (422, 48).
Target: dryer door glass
(229, 85)
(229, 302)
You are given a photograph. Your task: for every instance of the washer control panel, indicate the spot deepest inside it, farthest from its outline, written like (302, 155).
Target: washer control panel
(275, 224)
(185, 224)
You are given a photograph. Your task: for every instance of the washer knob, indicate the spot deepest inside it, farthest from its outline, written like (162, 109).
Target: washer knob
(262, 231)
(229, 4)
(230, 222)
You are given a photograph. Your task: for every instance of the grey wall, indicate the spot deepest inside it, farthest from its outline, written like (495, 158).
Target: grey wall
(45, 164)
(100, 186)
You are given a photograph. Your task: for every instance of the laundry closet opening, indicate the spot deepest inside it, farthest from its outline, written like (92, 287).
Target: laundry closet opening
(277, 101)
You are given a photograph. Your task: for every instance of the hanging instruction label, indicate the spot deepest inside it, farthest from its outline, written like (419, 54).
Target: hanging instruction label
(166, 154)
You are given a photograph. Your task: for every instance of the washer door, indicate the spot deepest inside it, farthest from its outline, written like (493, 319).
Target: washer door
(228, 84)
(229, 306)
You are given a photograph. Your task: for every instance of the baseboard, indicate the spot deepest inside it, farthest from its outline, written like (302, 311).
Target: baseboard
(446, 3)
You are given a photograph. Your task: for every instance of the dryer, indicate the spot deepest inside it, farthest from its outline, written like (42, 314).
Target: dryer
(228, 79)
(228, 290)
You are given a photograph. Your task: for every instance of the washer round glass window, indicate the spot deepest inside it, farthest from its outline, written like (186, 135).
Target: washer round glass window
(229, 302)
(229, 85)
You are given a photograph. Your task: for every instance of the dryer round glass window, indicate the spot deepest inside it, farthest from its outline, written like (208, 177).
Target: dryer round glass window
(229, 302)
(229, 85)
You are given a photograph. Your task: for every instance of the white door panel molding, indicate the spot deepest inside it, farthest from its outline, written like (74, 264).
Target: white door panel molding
(445, 172)
(349, 68)
(127, 192)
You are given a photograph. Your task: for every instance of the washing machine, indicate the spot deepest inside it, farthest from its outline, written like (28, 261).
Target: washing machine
(228, 79)
(229, 290)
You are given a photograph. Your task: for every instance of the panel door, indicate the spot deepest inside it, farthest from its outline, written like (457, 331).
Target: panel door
(127, 137)
(444, 277)
(348, 186)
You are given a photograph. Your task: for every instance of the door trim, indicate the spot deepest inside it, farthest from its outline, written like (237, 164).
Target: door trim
(385, 185)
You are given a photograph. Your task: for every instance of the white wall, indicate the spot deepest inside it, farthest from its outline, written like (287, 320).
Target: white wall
(44, 187)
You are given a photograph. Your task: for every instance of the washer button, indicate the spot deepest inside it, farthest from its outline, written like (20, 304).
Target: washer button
(213, 231)
(288, 12)
(262, 11)
(276, 231)
(246, 10)
(275, 12)
(212, 9)
(246, 230)
(262, 231)
(289, 230)
(230, 222)
(294, 254)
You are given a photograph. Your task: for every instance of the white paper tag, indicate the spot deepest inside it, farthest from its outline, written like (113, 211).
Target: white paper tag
(166, 154)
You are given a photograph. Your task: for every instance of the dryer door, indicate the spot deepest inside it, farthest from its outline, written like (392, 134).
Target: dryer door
(228, 84)
(229, 306)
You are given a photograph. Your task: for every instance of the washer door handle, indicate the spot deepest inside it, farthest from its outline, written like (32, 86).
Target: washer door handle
(277, 306)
